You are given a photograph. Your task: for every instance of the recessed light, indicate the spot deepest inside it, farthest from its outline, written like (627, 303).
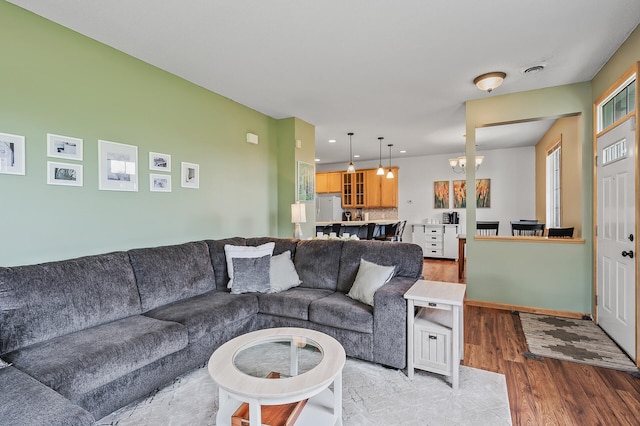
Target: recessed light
(317, 159)
(403, 152)
(356, 156)
(332, 141)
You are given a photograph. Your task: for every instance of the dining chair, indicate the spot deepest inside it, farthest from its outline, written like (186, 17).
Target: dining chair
(528, 229)
(487, 227)
(560, 232)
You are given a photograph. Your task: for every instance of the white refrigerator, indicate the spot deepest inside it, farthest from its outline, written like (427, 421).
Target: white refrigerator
(328, 208)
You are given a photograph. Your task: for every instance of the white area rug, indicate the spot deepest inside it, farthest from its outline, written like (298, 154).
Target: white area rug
(372, 395)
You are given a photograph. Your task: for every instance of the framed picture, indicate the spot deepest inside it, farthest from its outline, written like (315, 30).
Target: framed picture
(190, 176)
(117, 166)
(483, 193)
(12, 154)
(64, 174)
(64, 147)
(459, 194)
(160, 162)
(159, 183)
(441, 194)
(306, 181)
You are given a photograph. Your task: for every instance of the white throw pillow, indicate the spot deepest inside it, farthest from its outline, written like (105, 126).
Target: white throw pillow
(245, 252)
(283, 274)
(370, 277)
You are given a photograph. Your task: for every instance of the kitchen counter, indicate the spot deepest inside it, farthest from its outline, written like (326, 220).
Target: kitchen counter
(359, 222)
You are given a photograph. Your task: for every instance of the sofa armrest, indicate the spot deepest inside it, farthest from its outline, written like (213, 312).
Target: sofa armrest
(27, 402)
(390, 322)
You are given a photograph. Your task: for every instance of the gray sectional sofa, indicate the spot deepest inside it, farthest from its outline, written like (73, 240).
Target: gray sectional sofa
(87, 336)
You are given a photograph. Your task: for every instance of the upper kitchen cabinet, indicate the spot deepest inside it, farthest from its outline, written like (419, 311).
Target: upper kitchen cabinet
(328, 182)
(353, 189)
(380, 191)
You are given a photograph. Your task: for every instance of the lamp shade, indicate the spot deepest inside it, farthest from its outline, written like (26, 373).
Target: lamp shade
(298, 213)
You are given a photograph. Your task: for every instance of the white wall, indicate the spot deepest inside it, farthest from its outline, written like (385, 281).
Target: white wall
(512, 174)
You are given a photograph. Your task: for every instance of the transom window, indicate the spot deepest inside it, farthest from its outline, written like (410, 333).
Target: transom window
(621, 102)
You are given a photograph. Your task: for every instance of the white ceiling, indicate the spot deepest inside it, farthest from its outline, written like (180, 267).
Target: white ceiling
(398, 69)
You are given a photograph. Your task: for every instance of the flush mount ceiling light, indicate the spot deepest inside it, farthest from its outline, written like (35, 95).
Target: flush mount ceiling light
(489, 81)
(351, 168)
(380, 171)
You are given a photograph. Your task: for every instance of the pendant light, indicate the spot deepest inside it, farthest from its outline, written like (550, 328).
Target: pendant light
(380, 171)
(351, 168)
(390, 173)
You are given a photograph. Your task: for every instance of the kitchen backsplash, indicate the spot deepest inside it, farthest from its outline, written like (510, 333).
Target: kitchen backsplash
(375, 214)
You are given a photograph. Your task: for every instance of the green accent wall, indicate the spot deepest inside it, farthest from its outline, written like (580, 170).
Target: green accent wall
(556, 276)
(54, 80)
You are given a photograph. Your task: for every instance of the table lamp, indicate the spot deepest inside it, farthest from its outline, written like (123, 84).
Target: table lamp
(298, 216)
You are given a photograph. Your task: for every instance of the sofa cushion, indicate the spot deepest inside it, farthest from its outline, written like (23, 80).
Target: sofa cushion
(282, 244)
(219, 258)
(170, 273)
(40, 302)
(77, 363)
(340, 311)
(251, 275)
(317, 263)
(27, 402)
(293, 303)
(207, 312)
(406, 257)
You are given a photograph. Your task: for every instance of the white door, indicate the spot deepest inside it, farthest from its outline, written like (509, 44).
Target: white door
(616, 306)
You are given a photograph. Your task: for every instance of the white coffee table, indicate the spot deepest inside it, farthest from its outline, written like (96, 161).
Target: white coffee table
(313, 360)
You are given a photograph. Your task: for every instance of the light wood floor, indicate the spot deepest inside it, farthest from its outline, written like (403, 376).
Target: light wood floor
(547, 391)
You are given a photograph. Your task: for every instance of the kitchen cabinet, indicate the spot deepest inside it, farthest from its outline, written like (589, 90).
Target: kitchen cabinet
(380, 191)
(353, 189)
(328, 182)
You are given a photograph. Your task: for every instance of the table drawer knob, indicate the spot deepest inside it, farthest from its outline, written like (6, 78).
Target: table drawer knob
(432, 304)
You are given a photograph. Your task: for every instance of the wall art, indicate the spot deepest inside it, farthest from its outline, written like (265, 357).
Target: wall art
(64, 174)
(159, 162)
(306, 181)
(190, 176)
(117, 166)
(441, 194)
(12, 154)
(459, 194)
(483, 193)
(64, 147)
(159, 183)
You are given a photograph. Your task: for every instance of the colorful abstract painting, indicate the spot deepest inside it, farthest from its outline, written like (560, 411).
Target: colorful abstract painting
(459, 194)
(441, 194)
(483, 193)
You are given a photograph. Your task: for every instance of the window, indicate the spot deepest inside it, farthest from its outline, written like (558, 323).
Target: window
(553, 185)
(621, 102)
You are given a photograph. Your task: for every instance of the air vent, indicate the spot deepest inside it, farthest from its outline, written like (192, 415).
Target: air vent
(534, 69)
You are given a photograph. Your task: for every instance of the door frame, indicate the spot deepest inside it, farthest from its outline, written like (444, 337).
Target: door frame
(596, 134)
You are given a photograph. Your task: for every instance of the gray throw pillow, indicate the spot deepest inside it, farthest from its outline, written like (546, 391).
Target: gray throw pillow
(251, 275)
(370, 277)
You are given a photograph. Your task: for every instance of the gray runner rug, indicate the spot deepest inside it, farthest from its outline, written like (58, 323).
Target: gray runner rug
(372, 395)
(574, 340)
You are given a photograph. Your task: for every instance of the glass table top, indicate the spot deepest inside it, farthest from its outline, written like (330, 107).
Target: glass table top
(279, 357)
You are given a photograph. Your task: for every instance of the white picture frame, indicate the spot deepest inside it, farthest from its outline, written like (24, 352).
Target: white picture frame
(12, 154)
(159, 162)
(65, 174)
(117, 166)
(159, 182)
(190, 175)
(66, 147)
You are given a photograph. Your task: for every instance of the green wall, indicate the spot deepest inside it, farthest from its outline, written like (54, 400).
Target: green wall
(553, 276)
(53, 80)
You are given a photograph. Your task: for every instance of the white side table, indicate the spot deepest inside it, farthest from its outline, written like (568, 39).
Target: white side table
(439, 297)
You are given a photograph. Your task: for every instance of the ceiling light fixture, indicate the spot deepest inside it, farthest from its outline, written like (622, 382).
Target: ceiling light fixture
(390, 173)
(459, 164)
(489, 81)
(380, 171)
(351, 168)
